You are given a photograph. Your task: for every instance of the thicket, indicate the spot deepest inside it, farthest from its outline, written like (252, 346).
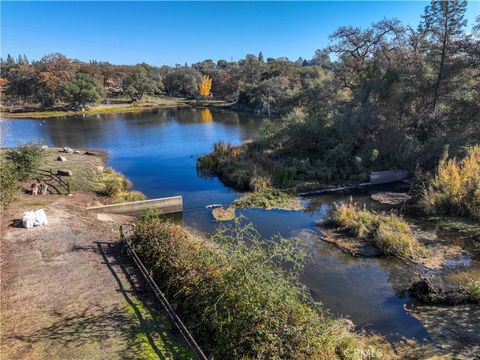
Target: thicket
(455, 188)
(9, 183)
(394, 98)
(241, 295)
(17, 165)
(25, 159)
(389, 232)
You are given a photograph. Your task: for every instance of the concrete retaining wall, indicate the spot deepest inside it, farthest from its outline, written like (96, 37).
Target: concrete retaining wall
(167, 205)
(383, 177)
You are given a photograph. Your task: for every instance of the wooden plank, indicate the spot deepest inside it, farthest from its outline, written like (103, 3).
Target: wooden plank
(168, 205)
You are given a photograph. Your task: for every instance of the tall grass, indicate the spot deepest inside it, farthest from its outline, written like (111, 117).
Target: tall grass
(117, 187)
(455, 188)
(389, 232)
(241, 295)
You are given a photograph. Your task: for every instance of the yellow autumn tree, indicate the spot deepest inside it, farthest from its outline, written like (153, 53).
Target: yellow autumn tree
(205, 86)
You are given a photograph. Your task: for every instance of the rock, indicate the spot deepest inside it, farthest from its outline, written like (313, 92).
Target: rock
(104, 217)
(64, 173)
(390, 198)
(90, 153)
(77, 152)
(61, 158)
(44, 147)
(68, 150)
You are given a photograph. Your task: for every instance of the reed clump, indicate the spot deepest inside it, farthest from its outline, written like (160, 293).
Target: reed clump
(389, 232)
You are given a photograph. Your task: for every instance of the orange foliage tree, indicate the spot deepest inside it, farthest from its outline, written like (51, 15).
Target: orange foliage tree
(205, 86)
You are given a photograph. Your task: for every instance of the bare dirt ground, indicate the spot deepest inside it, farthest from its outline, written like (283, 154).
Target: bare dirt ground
(65, 292)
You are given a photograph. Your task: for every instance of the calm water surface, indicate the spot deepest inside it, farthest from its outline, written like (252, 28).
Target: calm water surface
(157, 151)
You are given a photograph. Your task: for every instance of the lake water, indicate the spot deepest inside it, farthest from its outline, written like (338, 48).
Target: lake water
(157, 151)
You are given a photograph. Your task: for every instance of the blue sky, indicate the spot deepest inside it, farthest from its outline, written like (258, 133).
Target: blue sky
(178, 32)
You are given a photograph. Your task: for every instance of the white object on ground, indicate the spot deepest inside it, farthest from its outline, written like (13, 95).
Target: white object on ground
(68, 150)
(34, 218)
(44, 147)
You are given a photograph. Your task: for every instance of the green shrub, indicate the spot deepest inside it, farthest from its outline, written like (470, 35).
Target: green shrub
(26, 159)
(241, 295)
(269, 198)
(388, 232)
(455, 189)
(8, 183)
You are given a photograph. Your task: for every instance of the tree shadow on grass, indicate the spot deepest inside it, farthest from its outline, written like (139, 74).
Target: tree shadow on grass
(154, 325)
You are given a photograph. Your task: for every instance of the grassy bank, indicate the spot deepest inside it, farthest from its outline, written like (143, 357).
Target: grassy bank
(118, 106)
(241, 301)
(126, 107)
(87, 173)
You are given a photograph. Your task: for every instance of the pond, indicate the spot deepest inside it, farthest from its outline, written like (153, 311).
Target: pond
(157, 151)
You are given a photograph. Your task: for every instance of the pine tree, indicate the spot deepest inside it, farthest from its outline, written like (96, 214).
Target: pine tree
(443, 24)
(10, 60)
(260, 56)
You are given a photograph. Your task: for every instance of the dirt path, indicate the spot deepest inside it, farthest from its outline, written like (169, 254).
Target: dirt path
(66, 295)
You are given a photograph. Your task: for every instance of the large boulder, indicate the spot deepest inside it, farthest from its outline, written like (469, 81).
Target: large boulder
(68, 150)
(61, 158)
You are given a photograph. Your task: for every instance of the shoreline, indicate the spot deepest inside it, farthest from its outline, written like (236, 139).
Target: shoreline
(123, 108)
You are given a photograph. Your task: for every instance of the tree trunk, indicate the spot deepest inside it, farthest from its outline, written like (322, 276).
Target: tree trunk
(442, 62)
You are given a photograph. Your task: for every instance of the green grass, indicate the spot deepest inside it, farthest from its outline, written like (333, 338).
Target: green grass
(158, 328)
(269, 199)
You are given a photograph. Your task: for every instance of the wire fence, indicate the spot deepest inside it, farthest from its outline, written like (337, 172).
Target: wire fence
(125, 234)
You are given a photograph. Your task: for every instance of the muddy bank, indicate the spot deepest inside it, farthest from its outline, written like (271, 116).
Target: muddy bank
(455, 330)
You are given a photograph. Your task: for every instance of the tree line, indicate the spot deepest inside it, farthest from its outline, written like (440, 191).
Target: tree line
(404, 90)
(254, 82)
(393, 97)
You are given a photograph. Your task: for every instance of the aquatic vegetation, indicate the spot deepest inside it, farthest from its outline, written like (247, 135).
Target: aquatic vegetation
(241, 297)
(388, 232)
(269, 198)
(221, 214)
(455, 189)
